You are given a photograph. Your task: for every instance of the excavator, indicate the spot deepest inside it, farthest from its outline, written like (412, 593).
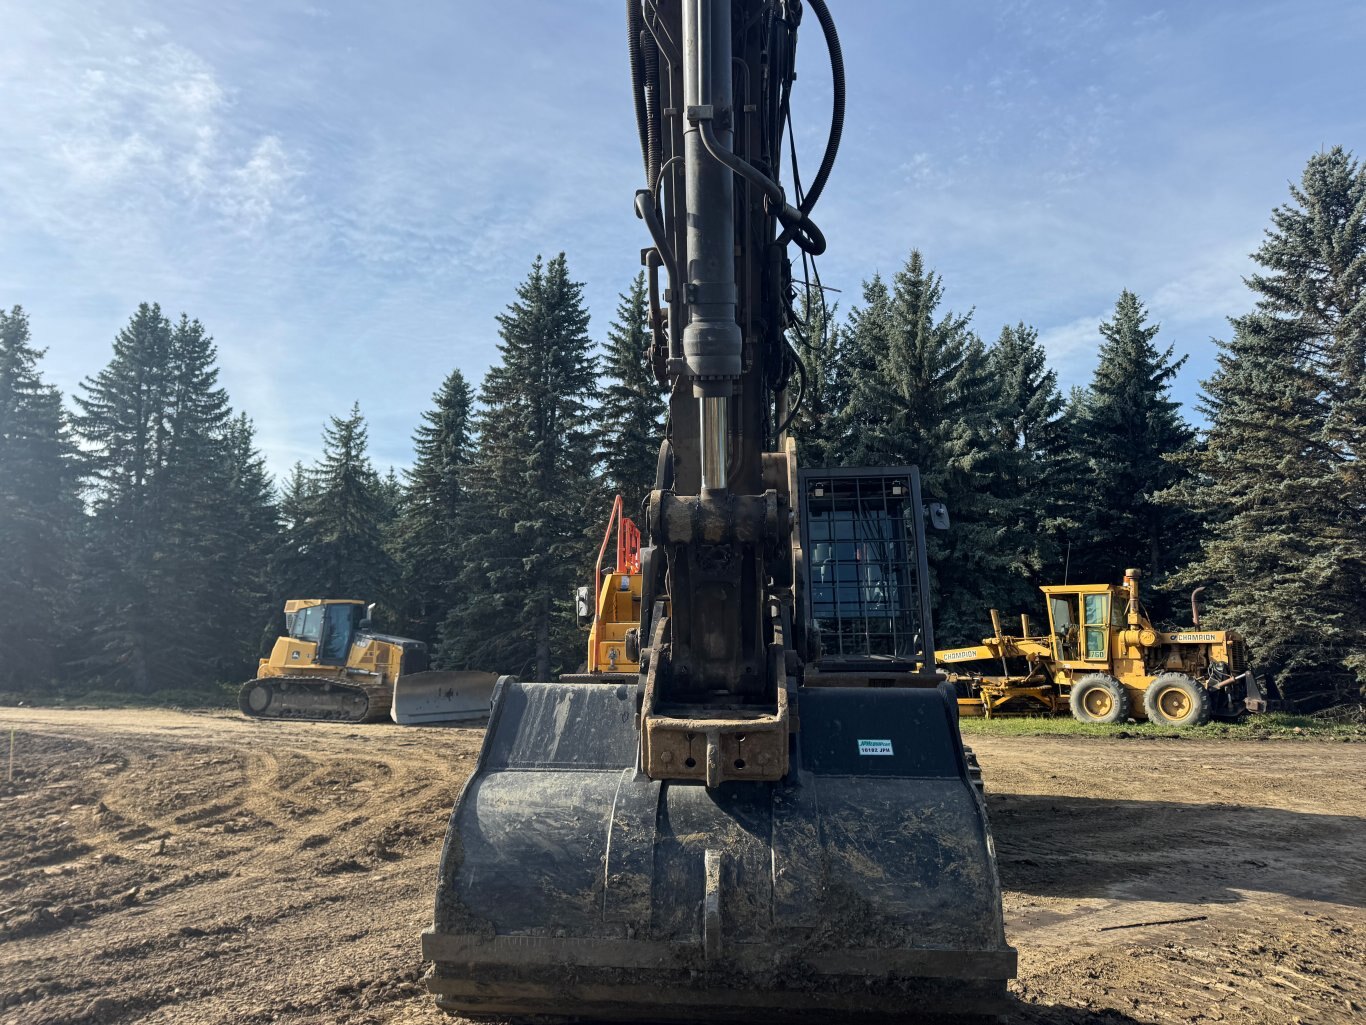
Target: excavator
(331, 665)
(730, 834)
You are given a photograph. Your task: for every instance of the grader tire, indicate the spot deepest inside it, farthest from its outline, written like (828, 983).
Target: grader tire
(1099, 698)
(1174, 699)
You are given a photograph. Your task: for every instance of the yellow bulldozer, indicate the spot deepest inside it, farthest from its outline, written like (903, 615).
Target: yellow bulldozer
(331, 665)
(1103, 660)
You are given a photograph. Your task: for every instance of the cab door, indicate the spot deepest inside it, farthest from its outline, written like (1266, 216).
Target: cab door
(1095, 628)
(1064, 617)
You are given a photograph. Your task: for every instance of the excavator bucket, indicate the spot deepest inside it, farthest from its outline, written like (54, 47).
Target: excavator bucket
(861, 887)
(437, 696)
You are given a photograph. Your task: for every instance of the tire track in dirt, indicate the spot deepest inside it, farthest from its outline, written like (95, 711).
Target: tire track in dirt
(235, 887)
(288, 893)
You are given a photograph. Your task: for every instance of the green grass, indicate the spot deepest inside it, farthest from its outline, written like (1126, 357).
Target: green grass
(210, 696)
(1273, 725)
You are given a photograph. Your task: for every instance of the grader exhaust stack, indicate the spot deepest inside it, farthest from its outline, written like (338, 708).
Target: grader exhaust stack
(730, 836)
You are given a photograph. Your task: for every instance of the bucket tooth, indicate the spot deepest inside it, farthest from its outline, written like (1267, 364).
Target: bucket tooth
(711, 907)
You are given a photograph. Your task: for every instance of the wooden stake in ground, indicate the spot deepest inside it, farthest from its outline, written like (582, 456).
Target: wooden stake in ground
(11, 755)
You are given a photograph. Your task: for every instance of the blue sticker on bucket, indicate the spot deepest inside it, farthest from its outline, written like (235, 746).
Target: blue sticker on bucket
(874, 747)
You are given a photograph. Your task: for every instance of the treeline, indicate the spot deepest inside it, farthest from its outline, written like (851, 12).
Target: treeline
(143, 545)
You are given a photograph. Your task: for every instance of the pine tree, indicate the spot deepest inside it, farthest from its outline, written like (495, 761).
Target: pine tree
(123, 425)
(39, 515)
(1128, 427)
(819, 344)
(921, 392)
(532, 487)
(242, 533)
(293, 572)
(632, 402)
(1030, 427)
(1280, 472)
(428, 538)
(170, 510)
(346, 518)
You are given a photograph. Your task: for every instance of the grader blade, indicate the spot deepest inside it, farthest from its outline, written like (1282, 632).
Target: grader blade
(436, 696)
(860, 887)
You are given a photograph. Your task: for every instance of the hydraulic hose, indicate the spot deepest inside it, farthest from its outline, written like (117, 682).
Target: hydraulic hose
(645, 210)
(832, 143)
(634, 27)
(798, 226)
(652, 147)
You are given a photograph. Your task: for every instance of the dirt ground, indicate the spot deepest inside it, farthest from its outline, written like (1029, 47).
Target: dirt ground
(168, 867)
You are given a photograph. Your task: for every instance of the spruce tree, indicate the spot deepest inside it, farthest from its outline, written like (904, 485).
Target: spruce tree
(293, 571)
(174, 505)
(1029, 424)
(1127, 429)
(428, 537)
(1279, 474)
(347, 513)
(818, 341)
(922, 392)
(39, 515)
(535, 500)
(243, 532)
(123, 426)
(632, 401)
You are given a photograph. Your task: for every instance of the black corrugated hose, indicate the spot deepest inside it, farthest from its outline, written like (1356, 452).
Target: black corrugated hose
(635, 25)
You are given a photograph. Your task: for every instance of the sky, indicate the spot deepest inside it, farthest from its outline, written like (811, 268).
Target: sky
(348, 194)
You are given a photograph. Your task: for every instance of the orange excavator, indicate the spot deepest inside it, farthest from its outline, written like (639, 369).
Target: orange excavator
(612, 607)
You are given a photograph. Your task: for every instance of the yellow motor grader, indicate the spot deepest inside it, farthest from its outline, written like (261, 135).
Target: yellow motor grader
(332, 666)
(1103, 659)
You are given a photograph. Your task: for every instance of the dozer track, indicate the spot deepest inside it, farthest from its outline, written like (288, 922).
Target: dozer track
(862, 887)
(314, 698)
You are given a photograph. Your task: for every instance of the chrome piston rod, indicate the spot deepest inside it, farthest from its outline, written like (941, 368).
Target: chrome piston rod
(712, 340)
(714, 439)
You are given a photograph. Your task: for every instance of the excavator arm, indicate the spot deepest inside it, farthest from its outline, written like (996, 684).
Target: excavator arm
(720, 840)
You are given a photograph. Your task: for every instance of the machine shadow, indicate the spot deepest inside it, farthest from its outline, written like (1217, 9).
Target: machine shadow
(1017, 1012)
(1172, 852)
(1020, 1013)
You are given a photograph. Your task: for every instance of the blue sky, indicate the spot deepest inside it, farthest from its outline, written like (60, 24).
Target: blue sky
(347, 195)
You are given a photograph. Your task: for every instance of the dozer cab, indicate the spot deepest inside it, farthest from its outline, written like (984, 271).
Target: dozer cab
(719, 836)
(1103, 660)
(331, 665)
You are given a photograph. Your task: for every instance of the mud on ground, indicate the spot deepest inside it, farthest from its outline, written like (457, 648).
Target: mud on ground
(165, 867)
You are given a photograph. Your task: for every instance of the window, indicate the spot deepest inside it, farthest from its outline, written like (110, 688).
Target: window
(307, 624)
(341, 622)
(861, 560)
(1063, 611)
(1097, 615)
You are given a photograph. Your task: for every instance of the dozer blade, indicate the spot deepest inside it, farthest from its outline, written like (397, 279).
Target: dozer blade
(438, 696)
(861, 887)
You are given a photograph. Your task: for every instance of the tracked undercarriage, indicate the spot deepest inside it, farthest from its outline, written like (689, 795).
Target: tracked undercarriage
(314, 698)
